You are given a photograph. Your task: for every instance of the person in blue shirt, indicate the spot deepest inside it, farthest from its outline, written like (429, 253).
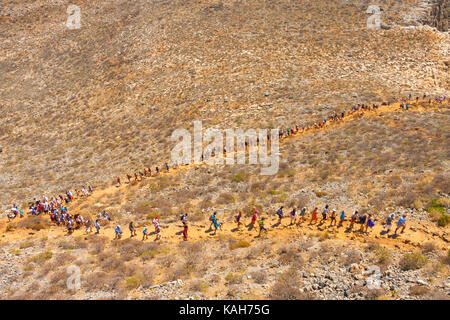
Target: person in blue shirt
(401, 224)
(97, 226)
(341, 218)
(144, 233)
(212, 219)
(118, 232)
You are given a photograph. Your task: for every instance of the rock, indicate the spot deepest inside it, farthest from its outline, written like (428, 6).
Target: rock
(421, 282)
(353, 268)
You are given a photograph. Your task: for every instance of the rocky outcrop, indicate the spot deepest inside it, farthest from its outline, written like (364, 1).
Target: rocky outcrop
(439, 15)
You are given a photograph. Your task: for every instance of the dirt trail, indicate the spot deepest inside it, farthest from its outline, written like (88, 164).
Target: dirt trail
(416, 233)
(395, 107)
(414, 236)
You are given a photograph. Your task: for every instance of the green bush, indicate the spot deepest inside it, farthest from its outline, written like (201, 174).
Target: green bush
(239, 177)
(444, 220)
(41, 257)
(412, 261)
(383, 255)
(134, 282)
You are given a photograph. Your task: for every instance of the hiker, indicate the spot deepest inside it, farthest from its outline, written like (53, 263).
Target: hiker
(314, 215)
(118, 232)
(280, 214)
(157, 228)
(254, 217)
(144, 233)
(184, 219)
(217, 225)
(167, 167)
(132, 229)
(302, 215)
(341, 218)
(261, 226)
(118, 181)
(212, 219)
(401, 224)
(333, 217)
(353, 219)
(88, 224)
(370, 223)
(293, 215)
(389, 220)
(362, 221)
(129, 177)
(11, 215)
(70, 226)
(106, 216)
(185, 232)
(324, 214)
(238, 220)
(136, 177)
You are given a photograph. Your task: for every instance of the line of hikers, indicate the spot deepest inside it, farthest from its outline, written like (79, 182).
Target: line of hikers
(292, 130)
(53, 205)
(365, 221)
(62, 216)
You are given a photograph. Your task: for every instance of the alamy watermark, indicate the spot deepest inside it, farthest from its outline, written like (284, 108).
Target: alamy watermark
(374, 21)
(74, 19)
(74, 280)
(231, 150)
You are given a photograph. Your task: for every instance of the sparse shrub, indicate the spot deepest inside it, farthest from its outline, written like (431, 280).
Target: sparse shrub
(446, 258)
(41, 257)
(444, 220)
(383, 255)
(97, 248)
(112, 263)
(259, 276)
(134, 282)
(428, 247)
(148, 276)
(26, 244)
(63, 259)
(225, 198)
(179, 271)
(199, 285)
(351, 257)
(408, 199)
(412, 261)
(374, 294)
(290, 255)
(167, 261)
(239, 244)
(66, 245)
(418, 290)
(239, 177)
(286, 288)
(148, 254)
(233, 278)
(325, 235)
(321, 194)
(35, 223)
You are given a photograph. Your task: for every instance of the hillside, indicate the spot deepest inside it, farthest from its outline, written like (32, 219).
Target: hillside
(300, 261)
(84, 106)
(79, 106)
